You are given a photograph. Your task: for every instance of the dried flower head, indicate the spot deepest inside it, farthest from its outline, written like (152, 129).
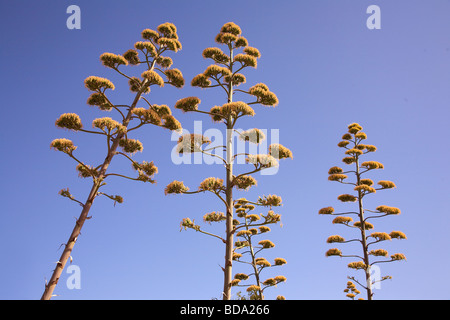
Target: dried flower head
(372, 165)
(354, 128)
(169, 122)
(365, 189)
(241, 276)
(241, 244)
(262, 160)
(252, 52)
(253, 288)
(153, 78)
(279, 151)
(262, 262)
(107, 124)
(398, 256)
(167, 29)
(240, 42)
(343, 143)
(347, 136)
(380, 236)
(253, 135)
(100, 100)
(136, 85)
(201, 81)
(112, 60)
(188, 104)
(266, 244)
(215, 71)
(361, 135)
(244, 182)
(354, 152)
(236, 78)
(149, 34)
(367, 225)
(187, 223)
(270, 200)
(357, 265)
(342, 220)
(243, 233)
(253, 217)
(347, 198)
(63, 145)
(337, 177)
(349, 160)
(233, 109)
(164, 62)
(367, 182)
(236, 256)
(147, 47)
(271, 217)
(269, 282)
(334, 170)
(326, 210)
(231, 27)
(379, 253)
(386, 184)
(190, 143)
(280, 279)
(216, 54)
(175, 187)
(175, 77)
(279, 261)
(85, 171)
(214, 217)
(333, 252)
(388, 210)
(246, 60)
(397, 235)
(170, 44)
(264, 96)
(147, 115)
(131, 145)
(335, 238)
(235, 282)
(211, 184)
(132, 57)
(263, 229)
(161, 110)
(69, 121)
(97, 83)
(146, 170)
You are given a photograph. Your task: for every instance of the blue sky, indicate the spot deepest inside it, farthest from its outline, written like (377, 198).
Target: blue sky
(327, 69)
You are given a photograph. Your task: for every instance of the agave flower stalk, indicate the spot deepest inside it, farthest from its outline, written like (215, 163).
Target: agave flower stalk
(352, 141)
(225, 74)
(251, 228)
(147, 53)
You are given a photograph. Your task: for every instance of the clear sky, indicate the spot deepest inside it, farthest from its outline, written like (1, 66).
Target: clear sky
(327, 69)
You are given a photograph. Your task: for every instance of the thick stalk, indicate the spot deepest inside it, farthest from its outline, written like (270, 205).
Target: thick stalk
(363, 234)
(50, 286)
(229, 197)
(255, 268)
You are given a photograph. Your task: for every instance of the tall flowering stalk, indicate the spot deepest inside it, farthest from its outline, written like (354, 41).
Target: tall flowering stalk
(352, 141)
(148, 53)
(225, 75)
